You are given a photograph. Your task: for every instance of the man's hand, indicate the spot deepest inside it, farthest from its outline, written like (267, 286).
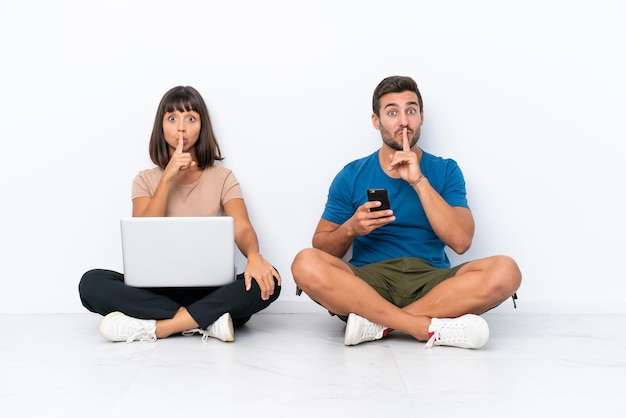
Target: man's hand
(365, 221)
(405, 162)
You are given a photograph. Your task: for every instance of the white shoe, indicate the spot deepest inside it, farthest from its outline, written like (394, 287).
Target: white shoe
(467, 331)
(359, 330)
(119, 327)
(222, 329)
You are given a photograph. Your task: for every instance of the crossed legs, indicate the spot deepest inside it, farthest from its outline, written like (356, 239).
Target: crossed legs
(478, 286)
(181, 321)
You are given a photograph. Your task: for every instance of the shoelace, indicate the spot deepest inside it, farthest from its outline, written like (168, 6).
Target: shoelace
(371, 330)
(449, 331)
(205, 334)
(142, 334)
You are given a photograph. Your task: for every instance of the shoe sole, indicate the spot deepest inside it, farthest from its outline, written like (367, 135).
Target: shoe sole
(479, 323)
(230, 332)
(485, 334)
(105, 322)
(348, 337)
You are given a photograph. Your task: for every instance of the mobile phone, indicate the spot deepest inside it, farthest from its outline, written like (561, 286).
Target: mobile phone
(380, 195)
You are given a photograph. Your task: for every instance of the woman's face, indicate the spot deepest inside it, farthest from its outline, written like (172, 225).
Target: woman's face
(181, 125)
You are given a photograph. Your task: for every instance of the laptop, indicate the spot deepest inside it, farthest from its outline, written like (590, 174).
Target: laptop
(178, 251)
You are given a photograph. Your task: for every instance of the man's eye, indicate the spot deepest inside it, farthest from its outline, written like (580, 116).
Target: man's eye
(411, 111)
(392, 113)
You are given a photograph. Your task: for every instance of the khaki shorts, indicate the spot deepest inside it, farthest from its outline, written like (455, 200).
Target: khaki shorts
(402, 281)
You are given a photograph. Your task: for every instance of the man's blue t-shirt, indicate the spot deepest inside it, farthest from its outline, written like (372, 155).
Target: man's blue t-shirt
(410, 235)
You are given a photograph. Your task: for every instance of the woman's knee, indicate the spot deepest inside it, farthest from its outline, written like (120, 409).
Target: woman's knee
(87, 281)
(276, 293)
(254, 293)
(91, 282)
(87, 288)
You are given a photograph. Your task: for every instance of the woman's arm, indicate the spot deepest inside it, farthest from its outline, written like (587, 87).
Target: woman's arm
(246, 239)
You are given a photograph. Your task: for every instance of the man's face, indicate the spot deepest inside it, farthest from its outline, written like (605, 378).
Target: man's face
(399, 111)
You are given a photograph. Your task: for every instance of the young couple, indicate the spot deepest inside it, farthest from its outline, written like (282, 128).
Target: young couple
(399, 277)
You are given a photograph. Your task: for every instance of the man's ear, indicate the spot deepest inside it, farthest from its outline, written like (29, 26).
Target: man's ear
(375, 121)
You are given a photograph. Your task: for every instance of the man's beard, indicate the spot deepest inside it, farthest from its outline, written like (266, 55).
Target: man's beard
(389, 140)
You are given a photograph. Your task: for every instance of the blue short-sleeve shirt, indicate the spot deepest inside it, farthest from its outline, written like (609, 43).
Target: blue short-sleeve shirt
(410, 235)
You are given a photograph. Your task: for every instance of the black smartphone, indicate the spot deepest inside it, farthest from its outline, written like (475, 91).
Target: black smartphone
(380, 195)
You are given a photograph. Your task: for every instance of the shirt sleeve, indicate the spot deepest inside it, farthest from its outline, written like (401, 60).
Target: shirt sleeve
(142, 186)
(340, 204)
(231, 188)
(454, 186)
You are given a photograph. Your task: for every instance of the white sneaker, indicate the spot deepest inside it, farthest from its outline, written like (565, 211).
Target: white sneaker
(359, 330)
(467, 331)
(222, 329)
(119, 327)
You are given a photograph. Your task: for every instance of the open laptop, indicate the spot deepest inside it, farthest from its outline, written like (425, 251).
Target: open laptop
(178, 251)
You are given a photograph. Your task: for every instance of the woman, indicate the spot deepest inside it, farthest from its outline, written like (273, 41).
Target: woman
(186, 182)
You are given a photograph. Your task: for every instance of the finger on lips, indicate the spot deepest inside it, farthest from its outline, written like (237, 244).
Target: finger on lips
(179, 146)
(405, 140)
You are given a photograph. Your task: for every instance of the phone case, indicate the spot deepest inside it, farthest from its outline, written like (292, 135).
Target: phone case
(380, 195)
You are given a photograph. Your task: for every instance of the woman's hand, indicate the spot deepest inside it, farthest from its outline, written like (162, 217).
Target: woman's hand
(179, 160)
(264, 273)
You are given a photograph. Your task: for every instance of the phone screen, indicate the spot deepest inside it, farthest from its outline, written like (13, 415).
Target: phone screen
(380, 195)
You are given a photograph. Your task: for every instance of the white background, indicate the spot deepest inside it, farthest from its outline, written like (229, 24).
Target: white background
(527, 96)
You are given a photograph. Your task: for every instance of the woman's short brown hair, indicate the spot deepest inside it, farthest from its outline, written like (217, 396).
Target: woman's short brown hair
(184, 99)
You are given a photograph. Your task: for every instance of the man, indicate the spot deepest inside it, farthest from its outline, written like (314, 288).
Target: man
(399, 277)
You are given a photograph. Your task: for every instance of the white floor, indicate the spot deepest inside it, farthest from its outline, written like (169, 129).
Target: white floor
(292, 365)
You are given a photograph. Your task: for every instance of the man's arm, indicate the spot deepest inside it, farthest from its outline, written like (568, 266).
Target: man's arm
(453, 225)
(336, 239)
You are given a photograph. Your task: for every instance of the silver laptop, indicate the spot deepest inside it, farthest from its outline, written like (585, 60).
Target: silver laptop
(178, 251)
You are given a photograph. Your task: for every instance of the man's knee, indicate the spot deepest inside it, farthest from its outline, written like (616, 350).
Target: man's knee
(303, 265)
(511, 272)
(505, 276)
(313, 270)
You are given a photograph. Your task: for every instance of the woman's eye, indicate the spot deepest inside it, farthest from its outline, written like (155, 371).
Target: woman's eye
(171, 118)
(191, 118)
